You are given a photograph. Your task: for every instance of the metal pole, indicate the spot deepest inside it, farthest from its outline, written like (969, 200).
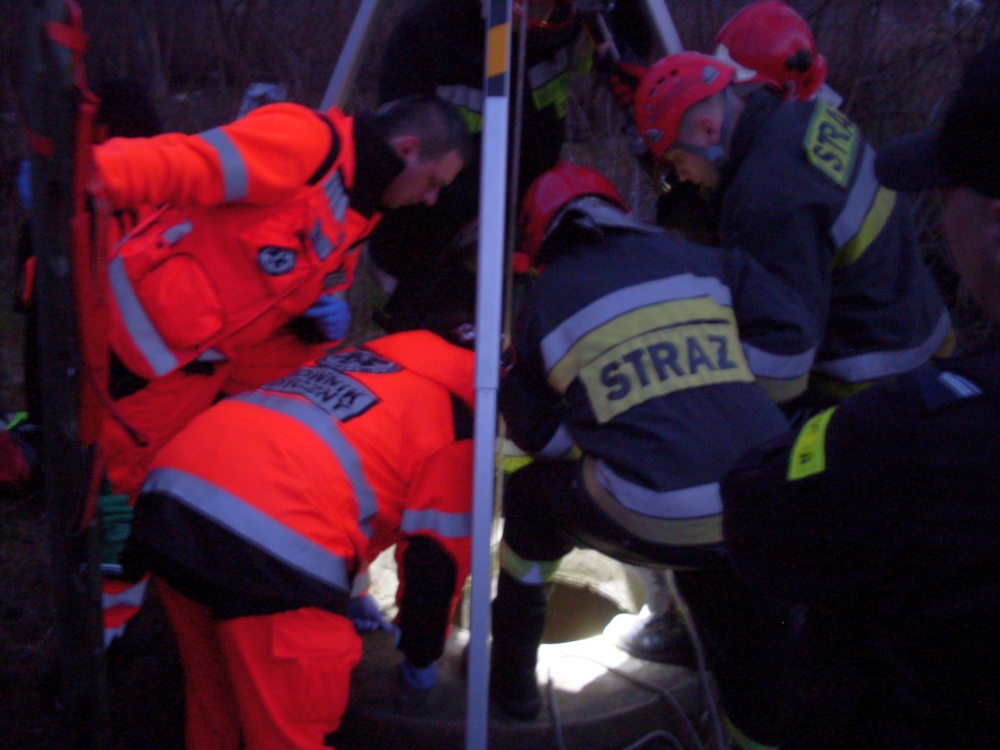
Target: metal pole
(77, 714)
(347, 63)
(659, 16)
(489, 293)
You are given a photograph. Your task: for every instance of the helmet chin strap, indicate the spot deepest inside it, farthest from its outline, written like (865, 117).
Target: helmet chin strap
(717, 152)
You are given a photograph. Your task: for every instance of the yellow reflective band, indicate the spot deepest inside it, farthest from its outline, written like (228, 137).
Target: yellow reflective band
(473, 120)
(809, 452)
(742, 741)
(780, 390)
(510, 464)
(631, 324)
(832, 143)
(497, 46)
(881, 210)
(555, 92)
(526, 571)
(683, 532)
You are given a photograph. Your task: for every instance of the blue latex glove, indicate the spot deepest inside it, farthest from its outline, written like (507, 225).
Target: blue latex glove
(364, 612)
(420, 678)
(332, 315)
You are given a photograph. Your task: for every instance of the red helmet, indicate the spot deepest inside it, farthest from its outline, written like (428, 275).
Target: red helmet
(772, 40)
(562, 14)
(550, 193)
(669, 87)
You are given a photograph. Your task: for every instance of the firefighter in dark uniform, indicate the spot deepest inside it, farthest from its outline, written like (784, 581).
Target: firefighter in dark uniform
(628, 347)
(424, 260)
(881, 514)
(799, 193)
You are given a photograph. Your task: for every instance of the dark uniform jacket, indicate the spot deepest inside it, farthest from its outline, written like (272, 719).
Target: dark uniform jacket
(800, 194)
(883, 516)
(438, 48)
(630, 347)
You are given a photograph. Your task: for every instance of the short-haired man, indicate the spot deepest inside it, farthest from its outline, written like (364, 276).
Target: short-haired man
(881, 514)
(258, 237)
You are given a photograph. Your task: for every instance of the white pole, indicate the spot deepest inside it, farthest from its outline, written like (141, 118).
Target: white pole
(659, 16)
(343, 72)
(489, 304)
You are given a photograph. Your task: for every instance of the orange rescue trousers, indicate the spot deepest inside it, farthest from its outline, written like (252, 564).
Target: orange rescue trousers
(276, 682)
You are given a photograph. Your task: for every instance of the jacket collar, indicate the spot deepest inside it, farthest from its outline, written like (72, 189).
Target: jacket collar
(377, 165)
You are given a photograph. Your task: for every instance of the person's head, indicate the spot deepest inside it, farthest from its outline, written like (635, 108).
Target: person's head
(433, 142)
(774, 42)
(557, 195)
(962, 158)
(685, 112)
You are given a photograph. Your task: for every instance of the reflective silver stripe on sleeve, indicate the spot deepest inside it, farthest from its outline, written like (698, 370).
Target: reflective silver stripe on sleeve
(543, 72)
(561, 442)
(236, 178)
(140, 328)
(252, 525)
(336, 196)
(362, 582)
(462, 96)
(133, 596)
(882, 364)
(211, 355)
(447, 525)
(327, 430)
(689, 502)
(561, 339)
(859, 201)
(174, 233)
(783, 366)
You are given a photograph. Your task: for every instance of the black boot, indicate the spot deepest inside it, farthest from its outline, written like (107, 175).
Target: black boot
(518, 623)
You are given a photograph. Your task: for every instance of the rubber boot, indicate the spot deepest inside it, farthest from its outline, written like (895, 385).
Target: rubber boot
(518, 624)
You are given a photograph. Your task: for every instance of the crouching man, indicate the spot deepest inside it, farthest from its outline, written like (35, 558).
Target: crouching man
(629, 346)
(261, 517)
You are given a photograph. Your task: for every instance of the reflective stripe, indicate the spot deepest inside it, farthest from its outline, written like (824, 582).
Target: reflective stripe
(561, 339)
(689, 502)
(140, 328)
(174, 233)
(882, 364)
(211, 355)
(531, 572)
(543, 72)
(462, 96)
(881, 210)
(133, 596)
(447, 525)
(252, 525)
(362, 582)
(859, 201)
(561, 442)
(320, 242)
(327, 431)
(235, 178)
(784, 366)
(336, 196)
(681, 532)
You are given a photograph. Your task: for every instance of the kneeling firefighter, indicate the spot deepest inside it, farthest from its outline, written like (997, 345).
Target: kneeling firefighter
(261, 517)
(649, 354)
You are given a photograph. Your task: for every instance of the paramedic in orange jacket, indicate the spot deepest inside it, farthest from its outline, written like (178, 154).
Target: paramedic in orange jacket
(262, 515)
(257, 239)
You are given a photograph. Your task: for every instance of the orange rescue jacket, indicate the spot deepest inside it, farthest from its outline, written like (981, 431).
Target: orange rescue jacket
(255, 226)
(279, 498)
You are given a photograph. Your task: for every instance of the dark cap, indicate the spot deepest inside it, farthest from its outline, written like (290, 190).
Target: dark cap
(965, 148)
